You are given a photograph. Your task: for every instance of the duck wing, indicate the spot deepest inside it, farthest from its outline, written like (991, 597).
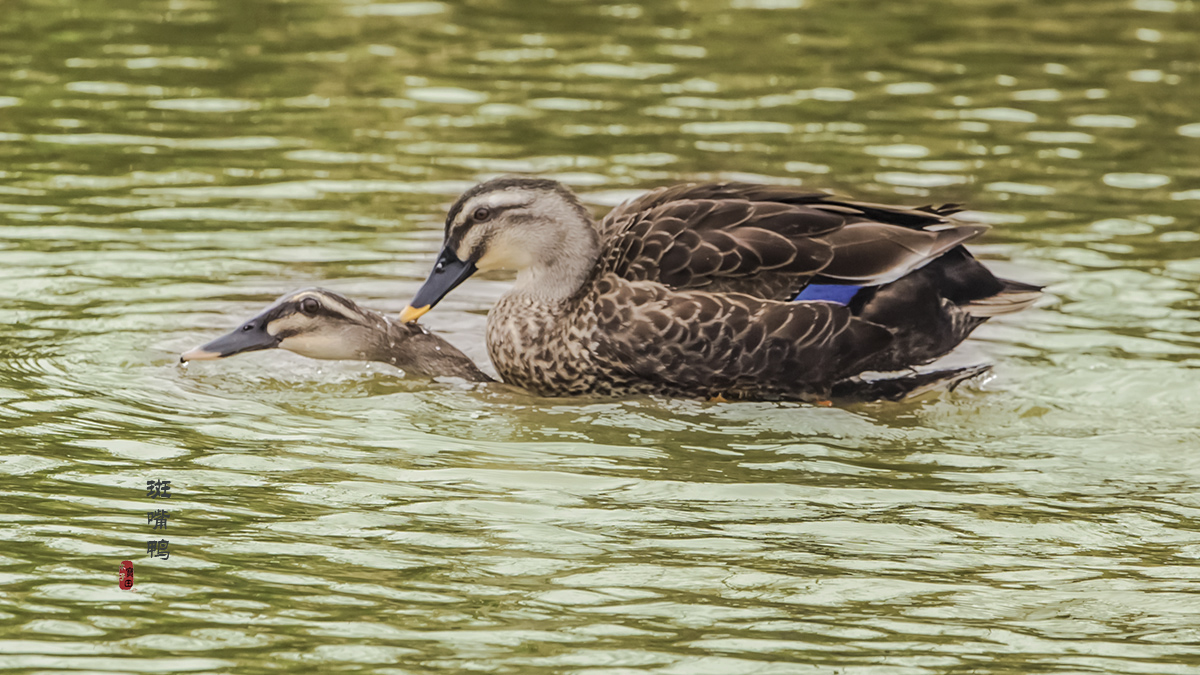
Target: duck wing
(770, 241)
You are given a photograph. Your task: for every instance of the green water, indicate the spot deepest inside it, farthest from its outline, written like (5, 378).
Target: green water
(168, 167)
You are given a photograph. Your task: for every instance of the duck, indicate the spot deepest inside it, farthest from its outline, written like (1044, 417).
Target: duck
(321, 324)
(725, 291)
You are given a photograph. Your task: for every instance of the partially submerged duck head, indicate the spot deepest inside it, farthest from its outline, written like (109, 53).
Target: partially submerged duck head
(321, 324)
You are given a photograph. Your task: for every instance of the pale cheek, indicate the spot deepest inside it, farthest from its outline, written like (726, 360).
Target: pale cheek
(292, 322)
(501, 256)
(317, 347)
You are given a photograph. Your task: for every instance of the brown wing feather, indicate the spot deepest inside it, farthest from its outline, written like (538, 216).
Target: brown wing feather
(769, 240)
(695, 343)
(876, 253)
(763, 248)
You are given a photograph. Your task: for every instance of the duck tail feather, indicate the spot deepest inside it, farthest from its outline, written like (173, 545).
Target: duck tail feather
(906, 386)
(950, 237)
(1014, 297)
(944, 209)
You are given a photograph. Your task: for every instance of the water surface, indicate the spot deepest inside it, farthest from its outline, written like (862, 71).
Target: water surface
(167, 168)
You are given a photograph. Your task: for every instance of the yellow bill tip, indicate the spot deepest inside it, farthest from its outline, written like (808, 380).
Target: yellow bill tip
(411, 313)
(198, 354)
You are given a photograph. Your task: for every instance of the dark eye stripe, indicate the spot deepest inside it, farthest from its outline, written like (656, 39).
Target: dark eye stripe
(323, 310)
(330, 312)
(454, 238)
(499, 185)
(480, 247)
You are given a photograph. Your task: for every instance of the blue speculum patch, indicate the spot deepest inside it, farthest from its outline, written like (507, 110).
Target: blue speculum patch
(838, 293)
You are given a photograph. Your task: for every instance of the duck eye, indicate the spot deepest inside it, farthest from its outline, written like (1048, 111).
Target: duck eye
(309, 306)
(249, 326)
(481, 214)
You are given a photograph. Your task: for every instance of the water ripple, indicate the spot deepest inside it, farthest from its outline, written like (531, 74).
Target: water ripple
(162, 184)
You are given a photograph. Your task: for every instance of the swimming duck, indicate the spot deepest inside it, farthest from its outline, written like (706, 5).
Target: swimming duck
(321, 324)
(732, 290)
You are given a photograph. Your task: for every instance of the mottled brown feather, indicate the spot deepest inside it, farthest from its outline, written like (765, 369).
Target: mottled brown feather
(768, 241)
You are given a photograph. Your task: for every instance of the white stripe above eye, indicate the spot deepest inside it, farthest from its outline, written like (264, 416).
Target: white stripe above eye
(505, 198)
(330, 303)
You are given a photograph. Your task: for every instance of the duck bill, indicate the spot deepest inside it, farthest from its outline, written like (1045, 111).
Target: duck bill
(448, 272)
(237, 342)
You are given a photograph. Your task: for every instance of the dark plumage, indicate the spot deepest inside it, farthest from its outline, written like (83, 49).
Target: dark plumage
(688, 290)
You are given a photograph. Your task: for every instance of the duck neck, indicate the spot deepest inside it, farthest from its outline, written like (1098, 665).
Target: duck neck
(564, 262)
(416, 351)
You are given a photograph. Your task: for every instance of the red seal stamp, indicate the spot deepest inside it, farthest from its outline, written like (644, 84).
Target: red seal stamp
(125, 575)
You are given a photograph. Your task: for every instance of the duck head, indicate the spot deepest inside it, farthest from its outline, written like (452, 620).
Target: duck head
(321, 324)
(534, 226)
(312, 322)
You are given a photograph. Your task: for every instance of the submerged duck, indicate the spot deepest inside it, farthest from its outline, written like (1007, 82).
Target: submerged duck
(730, 290)
(321, 324)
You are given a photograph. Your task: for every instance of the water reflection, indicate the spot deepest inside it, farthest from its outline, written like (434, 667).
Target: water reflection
(170, 167)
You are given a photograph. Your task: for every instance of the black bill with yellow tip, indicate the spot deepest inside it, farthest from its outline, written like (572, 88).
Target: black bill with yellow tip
(448, 272)
(249, 337)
